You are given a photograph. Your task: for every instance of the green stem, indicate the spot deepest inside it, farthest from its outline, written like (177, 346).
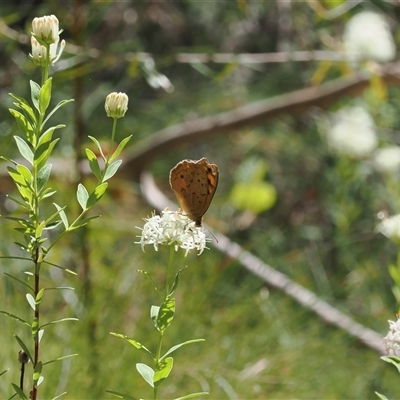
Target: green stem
(110, 146)
(170, 262)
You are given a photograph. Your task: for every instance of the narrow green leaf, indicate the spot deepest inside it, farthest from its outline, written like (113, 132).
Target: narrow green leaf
(35, 91)
(146, 372)
(97, 194)
(35, 328)
(112, 169)
(59, 320)
(96, 142)
(25, 172)
(39, 297)
(381, 396)
(16, 176)
(166, 314)
(47, 193)
(82, 196)
(19, 392)
(148, 276)
(154, 310)
(93, 163)
(24, 347)
(24, 105)
(62, 215)
(23, 124)
(20, 203)
(42, 157)
(176, 281)
(24, 149)
(31, 301)
(121, 395)
(60, 104)
(83, 222)
(15, 317)
(43, 176)
(134, 343)
(163, 369)
(60, 267)
(176, 347)
(45, 96)
(392, 360)
(190, 396)
(60, 358)
(59, 396)
(19, 281)
(120, 147)
(2, 373)
(37, 372)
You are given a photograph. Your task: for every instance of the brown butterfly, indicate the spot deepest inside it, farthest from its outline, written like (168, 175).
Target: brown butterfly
(194, 184)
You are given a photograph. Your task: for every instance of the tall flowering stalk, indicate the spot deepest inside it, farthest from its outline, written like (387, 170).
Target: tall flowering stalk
(176, 231)
(36, 144)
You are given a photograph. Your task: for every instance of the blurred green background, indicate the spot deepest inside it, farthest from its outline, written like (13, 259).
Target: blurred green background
(317, 224)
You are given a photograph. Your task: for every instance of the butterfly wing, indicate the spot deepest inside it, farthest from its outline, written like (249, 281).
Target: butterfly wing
(194, 184)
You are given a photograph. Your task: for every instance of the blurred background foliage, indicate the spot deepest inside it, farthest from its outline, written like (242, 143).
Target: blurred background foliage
(316, 222)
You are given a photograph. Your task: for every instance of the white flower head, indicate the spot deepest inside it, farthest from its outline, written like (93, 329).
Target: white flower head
(387, 159)
(39, 52)
(116, 105)
(172, 228)
(352, 132)
(367, 37)
(392, 339)
(45, 29)
(390, 227)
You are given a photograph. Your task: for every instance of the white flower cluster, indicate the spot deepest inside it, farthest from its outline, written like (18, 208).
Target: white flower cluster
(392, 339)
(45, 34)
(352, 132)
(171, 228)
(390, 227)
(387, 159)
(367, 37)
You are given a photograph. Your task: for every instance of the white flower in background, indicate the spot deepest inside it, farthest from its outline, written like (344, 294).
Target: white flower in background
(352, 132)
(172, 228)
(387, 159)
(116, 105)
(367, 36)
(46, 33)
(390, 227)
(392, 339)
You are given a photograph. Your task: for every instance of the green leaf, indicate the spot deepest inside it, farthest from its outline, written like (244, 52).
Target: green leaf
(173, 348)
(24, 105)
(25, 172)
(58, 396)
(19, 281)
(62, 214)
(31, 301)
(381, 396)
(190, 396)
(112, 169)
(2, 373)
(19, 392)
(98, 146)
(176, 281)
(154, 310)
(23, 347)
(20, 203)
(82, 222)
(392, 360)
(82, 196)
(60, 358)
(16, 176)
(166, 314)
(163, 369)
(146, 372)
(93, 163)
(37, 372)
(23, 124)
(43, 176)
(134, 343)
(35, 327)
(39, 297)
(147, 275)
(15, 317)
(60, 104)
(45, 96)
(97, 194)
(24, 149)
(60, 267)
(59, 320)
(121, 395)
(35, 92)
(43, 153)
(47, 193)
(120, 147)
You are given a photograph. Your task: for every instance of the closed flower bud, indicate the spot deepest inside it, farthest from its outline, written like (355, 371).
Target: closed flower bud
(116, 105)
(46, 29)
